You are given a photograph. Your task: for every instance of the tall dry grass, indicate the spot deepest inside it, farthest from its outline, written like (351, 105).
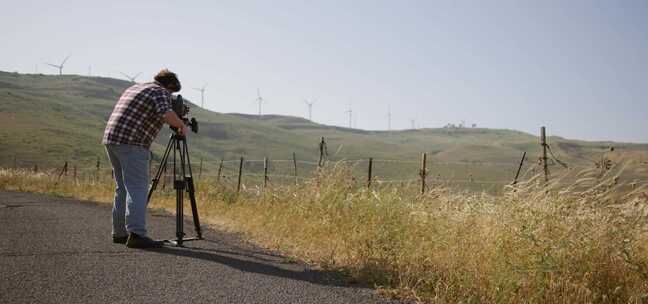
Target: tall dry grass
(585, 242)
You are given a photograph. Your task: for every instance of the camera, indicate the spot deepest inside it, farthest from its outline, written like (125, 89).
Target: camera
(179, 107)
(182, 110)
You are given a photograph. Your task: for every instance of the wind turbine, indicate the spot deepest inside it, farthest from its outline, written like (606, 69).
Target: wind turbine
(260, 100)
(131, 78)
(389, 118)
(350, 112)
(60, 66)
(202, 95)
(310, 109)
(413, 121)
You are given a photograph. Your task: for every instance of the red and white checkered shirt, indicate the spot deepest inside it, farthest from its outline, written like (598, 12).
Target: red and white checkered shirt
(137, 116)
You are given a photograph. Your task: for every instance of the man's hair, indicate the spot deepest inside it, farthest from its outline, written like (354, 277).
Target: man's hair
(169, 80)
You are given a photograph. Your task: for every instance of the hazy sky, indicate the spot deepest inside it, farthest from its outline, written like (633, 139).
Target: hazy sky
(579, 67)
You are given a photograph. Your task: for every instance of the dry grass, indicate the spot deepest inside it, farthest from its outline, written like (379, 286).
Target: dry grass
(587, 242)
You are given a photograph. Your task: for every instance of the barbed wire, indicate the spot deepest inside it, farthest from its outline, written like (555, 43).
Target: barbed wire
(553, 156)
(195, 162)
(229, 168)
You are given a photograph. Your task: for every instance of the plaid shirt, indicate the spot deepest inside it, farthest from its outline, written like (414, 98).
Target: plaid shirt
(137, 116)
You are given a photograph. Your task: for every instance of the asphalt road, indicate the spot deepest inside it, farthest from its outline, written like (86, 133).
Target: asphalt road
(59, 250)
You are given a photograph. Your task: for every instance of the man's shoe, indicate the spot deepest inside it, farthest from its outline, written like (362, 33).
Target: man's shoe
(120, 239)
(136, 241)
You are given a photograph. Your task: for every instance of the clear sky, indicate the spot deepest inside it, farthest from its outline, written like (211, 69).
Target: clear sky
(578, 67)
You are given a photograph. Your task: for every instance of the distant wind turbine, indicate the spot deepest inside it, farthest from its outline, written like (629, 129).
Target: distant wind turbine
(260, 100)
(389, 118)
(202, 95)
(310, 109)
(131, 78)
(413, 121)
(60, 66)
(350, 112)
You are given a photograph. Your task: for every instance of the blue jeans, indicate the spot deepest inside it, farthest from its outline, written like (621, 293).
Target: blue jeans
(131, 169)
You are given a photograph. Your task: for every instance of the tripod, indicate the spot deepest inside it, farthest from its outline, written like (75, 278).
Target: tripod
(182, 180)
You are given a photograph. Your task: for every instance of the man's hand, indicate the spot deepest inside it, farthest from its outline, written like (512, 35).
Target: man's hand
(173, 120)
(183, 131)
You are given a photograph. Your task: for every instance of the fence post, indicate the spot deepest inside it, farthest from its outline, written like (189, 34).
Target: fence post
(35, 168)
(295, 166)
(74, 173)
(265, 172)
(543, 142)
(220, 169)
(322, 147)
(200, 168)
(369, 173)
(240, 173)
(65, 168)
(423, 172)
(515, 180)
(98, 168)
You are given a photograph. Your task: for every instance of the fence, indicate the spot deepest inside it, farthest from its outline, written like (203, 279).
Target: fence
(368, 172)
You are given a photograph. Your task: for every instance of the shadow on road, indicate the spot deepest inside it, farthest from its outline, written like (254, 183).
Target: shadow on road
(261, 266)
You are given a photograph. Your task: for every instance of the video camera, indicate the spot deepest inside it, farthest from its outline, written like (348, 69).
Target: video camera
(182, 110)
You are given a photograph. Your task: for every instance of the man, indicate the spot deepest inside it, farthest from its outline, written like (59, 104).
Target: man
(134, 123)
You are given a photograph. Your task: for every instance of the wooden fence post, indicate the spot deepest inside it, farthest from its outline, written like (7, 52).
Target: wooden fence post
(35, 168)
(295, 167)
(369, 173)
(515, 180)
(65, 168)
(323, 152)
(423, 172)
(98, 168)
(543, 142)
(220, 169)
(240, 173)
(265, 172)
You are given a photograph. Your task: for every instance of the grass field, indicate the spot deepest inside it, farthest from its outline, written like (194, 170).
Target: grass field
(586, 242)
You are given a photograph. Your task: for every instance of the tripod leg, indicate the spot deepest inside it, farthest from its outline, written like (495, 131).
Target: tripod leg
(179, 185)
(161, 169)
(194, 208)
(192, 192)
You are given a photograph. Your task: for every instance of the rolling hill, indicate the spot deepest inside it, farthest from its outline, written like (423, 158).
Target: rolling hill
(47, 119)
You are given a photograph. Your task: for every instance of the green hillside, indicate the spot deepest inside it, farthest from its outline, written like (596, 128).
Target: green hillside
(48, 119)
